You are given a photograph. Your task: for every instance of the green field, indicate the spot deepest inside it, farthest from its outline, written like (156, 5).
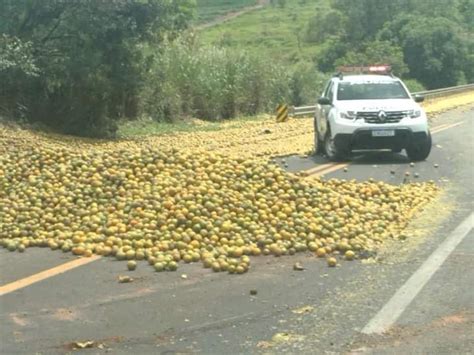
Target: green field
(273, 31)
(207, 10)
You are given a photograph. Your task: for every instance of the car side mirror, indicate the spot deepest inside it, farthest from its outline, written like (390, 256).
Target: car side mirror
(419, 98)
(324, 101)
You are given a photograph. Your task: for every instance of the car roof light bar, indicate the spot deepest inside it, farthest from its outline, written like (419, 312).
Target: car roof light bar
(384, 69)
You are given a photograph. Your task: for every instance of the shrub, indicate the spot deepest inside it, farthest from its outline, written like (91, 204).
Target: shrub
(306, 84)
(214, 83)
(78, 66)
(413, 85)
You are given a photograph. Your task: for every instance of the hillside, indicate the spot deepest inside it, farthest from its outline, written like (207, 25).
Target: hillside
(162, 68)
(209, 10)
(276, 32)
(328, 33)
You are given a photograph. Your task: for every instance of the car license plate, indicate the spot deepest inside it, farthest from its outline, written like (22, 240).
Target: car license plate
(383, 133)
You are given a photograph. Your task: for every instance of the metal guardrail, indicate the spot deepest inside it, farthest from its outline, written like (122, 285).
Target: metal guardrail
(429, 94)
(445, 91)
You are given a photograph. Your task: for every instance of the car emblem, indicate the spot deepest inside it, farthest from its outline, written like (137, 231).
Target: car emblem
(382, 116)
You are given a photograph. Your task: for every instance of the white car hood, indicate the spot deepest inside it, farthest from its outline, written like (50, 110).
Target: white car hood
(377, 105)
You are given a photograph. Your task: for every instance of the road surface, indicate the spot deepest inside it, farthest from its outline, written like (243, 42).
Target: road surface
(319, 310)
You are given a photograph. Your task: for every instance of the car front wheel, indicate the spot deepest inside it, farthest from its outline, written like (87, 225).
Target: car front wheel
(332, 151)
(419, 150)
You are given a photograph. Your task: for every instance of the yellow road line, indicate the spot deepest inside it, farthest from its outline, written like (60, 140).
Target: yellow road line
(440, 126)
(330, 169)
(27, 281)
(440, 129)
(318, 168)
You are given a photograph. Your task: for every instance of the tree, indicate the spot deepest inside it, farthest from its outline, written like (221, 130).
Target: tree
(377, 52)
(332, 49)
(436, 8)
(433, 49)
(429, 37)
(324, 25)
(434, 52)
(366, 17)
(17, 65)
(466, 9)
(90, 55)
(17, 55)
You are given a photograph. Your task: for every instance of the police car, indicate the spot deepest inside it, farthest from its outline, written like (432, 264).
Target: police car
(366, 108)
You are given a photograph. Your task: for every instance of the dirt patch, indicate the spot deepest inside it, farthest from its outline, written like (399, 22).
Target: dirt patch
(447, 328)
(65, 314)
(128, 296)
(19, 319)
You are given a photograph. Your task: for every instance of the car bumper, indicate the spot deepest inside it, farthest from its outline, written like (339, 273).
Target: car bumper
(363, 139)
(341, 125)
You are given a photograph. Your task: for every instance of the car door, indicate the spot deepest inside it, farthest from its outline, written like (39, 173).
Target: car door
(319, 110)
(322, 111)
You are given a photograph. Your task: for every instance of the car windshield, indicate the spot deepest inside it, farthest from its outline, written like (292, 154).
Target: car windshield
(371, 91)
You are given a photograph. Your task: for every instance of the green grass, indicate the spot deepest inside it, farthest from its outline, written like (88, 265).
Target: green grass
(207, 10)
(275, 32)
(153, 128)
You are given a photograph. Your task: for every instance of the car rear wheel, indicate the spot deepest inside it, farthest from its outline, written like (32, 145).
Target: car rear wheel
(318, 143)
(419, 150)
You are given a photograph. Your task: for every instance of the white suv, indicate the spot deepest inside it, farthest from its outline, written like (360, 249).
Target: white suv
(365, 112)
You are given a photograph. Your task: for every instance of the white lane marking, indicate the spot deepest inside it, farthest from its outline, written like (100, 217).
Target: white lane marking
(392, 310)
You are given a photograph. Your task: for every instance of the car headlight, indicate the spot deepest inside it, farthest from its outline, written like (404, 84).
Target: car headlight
(350, 115)
(414, 113)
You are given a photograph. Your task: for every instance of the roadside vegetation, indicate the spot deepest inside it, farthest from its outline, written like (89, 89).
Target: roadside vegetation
(425, 41)
(86, 68)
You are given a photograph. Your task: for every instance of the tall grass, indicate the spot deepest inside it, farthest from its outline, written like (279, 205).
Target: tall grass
(212, 83)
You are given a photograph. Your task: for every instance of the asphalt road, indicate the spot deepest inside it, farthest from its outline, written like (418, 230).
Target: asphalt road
(318, 310)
